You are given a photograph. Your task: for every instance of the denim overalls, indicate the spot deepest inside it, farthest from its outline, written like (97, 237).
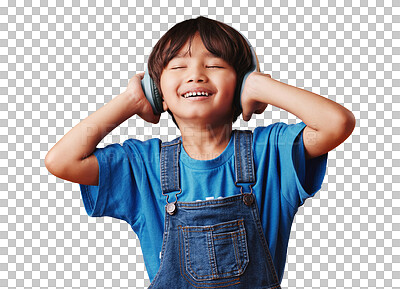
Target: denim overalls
(215, 243)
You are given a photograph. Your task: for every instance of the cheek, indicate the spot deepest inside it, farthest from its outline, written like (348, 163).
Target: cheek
(167, 84)
(230, 82)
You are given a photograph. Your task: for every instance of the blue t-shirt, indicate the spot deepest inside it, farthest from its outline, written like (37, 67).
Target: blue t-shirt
(129, 186)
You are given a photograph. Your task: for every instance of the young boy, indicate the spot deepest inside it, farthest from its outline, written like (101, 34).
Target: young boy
(214, 207)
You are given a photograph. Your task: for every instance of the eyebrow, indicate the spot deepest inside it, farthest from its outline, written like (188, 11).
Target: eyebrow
(204, 54)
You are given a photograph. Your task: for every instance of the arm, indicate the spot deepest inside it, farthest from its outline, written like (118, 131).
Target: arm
(328, 123)
(71, 157)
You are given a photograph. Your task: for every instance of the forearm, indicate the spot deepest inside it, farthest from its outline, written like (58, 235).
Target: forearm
(315, 111)
(82, 140)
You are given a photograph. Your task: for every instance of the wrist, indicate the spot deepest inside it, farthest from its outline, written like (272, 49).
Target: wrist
(129, 101)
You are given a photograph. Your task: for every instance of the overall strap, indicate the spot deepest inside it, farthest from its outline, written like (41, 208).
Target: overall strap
(244, 164)
(169, 166)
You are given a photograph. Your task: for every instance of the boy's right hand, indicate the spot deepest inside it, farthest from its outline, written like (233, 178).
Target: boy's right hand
(72, 157)
(135, 93)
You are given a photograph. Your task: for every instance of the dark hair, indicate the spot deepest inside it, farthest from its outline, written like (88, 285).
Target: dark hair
(219, 38)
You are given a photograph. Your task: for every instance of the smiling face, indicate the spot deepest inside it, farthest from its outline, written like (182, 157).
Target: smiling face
(198, 87)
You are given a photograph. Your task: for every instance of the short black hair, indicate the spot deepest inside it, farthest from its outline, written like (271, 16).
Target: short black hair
(219, 38)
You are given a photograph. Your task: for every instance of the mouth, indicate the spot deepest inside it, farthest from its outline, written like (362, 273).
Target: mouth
(199, 94)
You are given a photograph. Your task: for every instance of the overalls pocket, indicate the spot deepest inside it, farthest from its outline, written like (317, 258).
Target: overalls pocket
(215, 252)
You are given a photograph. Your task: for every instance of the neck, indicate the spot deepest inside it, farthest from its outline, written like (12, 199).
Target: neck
(205, 142)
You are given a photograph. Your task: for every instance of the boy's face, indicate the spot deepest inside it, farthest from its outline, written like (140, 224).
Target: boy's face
(200, 72)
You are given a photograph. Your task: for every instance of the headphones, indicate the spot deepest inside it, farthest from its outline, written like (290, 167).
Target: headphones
(154, 96)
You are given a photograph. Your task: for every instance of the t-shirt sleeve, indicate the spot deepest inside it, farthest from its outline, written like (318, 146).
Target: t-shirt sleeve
(114, 196)
(300, 178)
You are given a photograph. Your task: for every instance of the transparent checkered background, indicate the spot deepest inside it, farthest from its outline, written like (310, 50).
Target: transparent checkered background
(61, 63)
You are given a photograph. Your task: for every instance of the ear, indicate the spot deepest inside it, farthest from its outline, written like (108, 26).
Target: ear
(165, 105)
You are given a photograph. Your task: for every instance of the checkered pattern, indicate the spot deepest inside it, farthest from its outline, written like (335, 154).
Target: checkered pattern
(61, 63)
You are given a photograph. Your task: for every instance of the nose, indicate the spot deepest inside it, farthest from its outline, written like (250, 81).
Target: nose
(197, 74)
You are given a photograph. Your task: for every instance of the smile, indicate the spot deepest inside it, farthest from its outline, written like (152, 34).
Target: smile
(195, 94)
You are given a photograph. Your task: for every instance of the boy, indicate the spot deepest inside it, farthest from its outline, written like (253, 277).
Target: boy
(212, 208)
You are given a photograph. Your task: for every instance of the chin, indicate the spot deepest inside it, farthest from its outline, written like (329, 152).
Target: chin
(208, 118)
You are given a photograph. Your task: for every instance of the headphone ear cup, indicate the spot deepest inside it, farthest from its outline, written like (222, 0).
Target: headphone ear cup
(255, 66)
(152, 94)
(158, 101)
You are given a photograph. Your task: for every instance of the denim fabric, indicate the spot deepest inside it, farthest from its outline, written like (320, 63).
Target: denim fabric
(215, 243)
(169, 167)
(244, 168)
(129, 186)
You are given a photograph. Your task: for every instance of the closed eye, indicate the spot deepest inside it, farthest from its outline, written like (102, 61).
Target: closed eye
(177, 67)
(214, 66)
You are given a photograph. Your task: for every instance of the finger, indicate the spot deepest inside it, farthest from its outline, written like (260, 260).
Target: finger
(155, 118)
(137, 76)
(261, 109)
(246, 116)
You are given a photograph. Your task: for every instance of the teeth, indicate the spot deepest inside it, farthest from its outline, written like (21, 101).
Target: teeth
(189, 94)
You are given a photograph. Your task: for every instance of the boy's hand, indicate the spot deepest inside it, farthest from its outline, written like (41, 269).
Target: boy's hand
(135, 93)
(249, 103)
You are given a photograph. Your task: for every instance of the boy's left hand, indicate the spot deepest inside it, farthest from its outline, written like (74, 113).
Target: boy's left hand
(249, 103)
